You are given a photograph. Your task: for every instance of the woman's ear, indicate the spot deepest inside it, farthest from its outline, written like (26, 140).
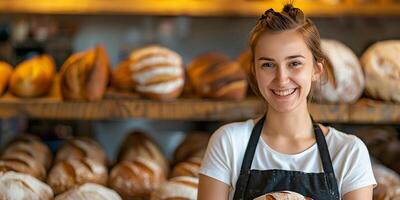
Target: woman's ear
(318, 71)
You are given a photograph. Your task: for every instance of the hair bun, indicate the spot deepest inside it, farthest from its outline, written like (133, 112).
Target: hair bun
(294, 13)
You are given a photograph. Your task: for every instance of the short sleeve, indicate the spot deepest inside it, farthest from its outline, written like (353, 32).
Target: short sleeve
(217, 159)
(358, 169)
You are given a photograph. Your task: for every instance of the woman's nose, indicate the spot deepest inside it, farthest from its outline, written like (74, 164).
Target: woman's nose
(282, 75)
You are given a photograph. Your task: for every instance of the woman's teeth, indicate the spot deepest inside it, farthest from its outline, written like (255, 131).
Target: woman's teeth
(286, 92)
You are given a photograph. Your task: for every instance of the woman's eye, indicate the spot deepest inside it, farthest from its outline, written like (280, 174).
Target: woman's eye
(268, 65)
(294, 64)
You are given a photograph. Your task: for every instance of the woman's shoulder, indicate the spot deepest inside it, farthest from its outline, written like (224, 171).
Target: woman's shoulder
(234, 130)
(345, 142)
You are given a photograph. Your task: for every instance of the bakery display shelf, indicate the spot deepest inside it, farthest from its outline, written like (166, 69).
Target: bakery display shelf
(197, 7)
(187, 108)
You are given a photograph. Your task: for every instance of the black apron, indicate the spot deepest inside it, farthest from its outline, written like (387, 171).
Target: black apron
(254, 183)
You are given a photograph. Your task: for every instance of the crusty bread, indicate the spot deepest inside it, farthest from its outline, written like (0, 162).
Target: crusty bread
(23, 187)
(85, 75)
(89, 191)
(33, 77)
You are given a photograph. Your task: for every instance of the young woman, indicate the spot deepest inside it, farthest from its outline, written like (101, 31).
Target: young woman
(285, 150)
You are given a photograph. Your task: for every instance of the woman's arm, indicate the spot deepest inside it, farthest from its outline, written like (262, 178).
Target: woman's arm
(364, 193)
(212, 189)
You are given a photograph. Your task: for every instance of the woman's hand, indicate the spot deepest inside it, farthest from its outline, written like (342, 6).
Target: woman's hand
(212, 189)
(364, 193)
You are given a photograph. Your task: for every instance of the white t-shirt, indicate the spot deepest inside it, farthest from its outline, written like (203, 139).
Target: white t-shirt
(226, 148)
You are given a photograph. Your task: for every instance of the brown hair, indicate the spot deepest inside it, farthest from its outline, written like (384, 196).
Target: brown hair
(290, 18)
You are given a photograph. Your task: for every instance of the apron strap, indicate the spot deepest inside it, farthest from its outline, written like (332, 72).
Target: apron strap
(244, 175)
(325, 158)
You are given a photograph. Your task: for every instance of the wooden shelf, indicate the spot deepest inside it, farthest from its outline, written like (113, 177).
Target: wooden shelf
(364, 111)
(197, 7)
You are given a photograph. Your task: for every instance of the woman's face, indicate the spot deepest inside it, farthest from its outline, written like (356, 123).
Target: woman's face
(284, 68)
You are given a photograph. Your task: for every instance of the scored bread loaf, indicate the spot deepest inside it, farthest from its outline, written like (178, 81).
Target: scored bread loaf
(69, 173)
(136, 179)
(155, 72)
(178, 188)
(194, 145)
(85, 75)
(345, 76)
(5, 74)
(32, 146)
(81, 147)
(386, 180)
(89, 191)
(283, 195)
(381, 67)
(18, 186)
(190, 167)
(23, 162)
(33, 77)
(138, 144)
(213, 75)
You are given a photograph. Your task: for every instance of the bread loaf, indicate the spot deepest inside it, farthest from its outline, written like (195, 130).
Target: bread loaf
(32, 146)
(19, 186)
(178, 188)
(85, 75)
(194, 145)
(345, 76)
(284, 195)
(213, 75)
(381, 66)
(244, 60)
(121, 77)
(89, 191)
(136, 179)
(138, 144)
(69, 173)
(156, 72)
(5, 74)
(190, 167)
(33, 77)
(23, 162)
(386, 179)
(79, 148)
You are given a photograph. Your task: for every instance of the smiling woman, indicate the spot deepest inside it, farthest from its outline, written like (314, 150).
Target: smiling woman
(285, 150)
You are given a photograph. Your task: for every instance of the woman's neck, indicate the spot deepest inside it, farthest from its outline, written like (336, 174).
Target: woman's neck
(294, 124)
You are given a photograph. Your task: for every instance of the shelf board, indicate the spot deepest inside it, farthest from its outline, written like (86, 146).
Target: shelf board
(364, 111)
(196, 7)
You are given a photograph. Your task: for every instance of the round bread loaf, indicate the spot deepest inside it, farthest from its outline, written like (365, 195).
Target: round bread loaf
(386, 179)
(381, 66)
(345, 76)
(5, 74)
(79, 148)
(190, 167)
(156, 72)
(284, 195)
(23, 162)
(69, 173)
(138, 144)
(194, 145)
(178, 188)
(89, 191)
(31, 146)
(84, 75)
(33, 77)
(213, 75)
(136, 179)
(19, 186)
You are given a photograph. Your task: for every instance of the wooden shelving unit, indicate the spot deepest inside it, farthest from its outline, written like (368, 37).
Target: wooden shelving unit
(198, 7)
(364, 111)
